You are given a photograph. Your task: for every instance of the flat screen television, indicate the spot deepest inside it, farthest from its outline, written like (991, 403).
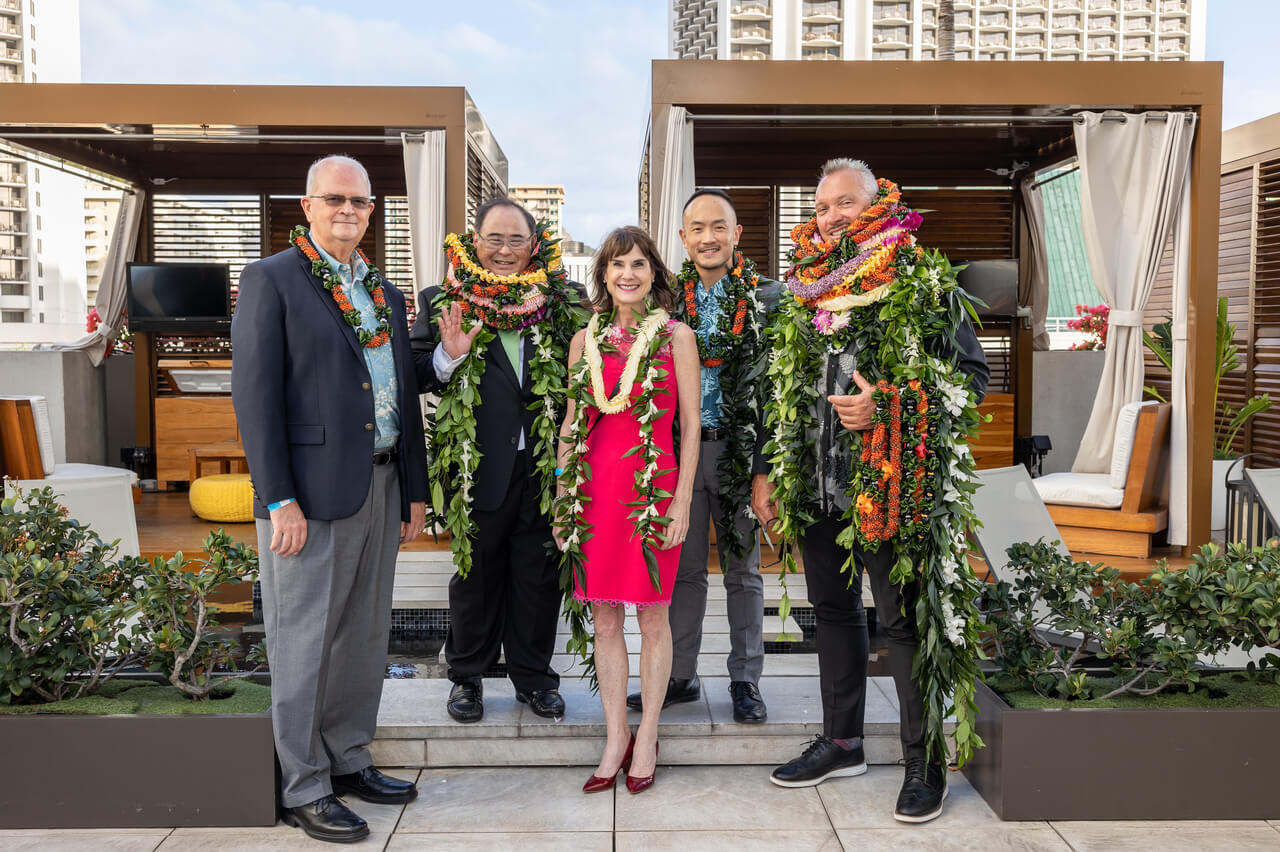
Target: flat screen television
(994, 282)
(179, 298)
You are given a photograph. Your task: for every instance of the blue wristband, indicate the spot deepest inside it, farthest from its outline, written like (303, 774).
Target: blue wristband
(559, 471)
(271, 507)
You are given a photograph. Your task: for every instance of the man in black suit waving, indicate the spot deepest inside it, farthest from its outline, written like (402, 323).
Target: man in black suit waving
(327, 404)
(492, 341)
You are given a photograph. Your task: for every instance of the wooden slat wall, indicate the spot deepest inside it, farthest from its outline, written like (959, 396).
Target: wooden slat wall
(1265, 433)
(755, 214)
(283, 214)
(966, 224)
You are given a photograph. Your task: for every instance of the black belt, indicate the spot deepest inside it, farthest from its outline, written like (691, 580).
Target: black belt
(385, 456)
(714, 433)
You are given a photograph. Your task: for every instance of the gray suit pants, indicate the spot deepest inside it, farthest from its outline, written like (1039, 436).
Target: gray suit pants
(744, 590)
(327, 613)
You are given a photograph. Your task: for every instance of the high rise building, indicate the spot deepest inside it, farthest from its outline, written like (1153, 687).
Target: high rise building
(545, 202)
(908, 29)
(42, 210)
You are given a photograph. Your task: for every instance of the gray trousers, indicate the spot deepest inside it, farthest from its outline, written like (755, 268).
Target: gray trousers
(327, 613)
(744, 590)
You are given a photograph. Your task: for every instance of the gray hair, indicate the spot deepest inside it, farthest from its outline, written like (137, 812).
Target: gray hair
(313, 173)
(866, 178)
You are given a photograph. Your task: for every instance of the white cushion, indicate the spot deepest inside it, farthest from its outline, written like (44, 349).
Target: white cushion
(44, 429)
(1122, 452)
(1079, 489)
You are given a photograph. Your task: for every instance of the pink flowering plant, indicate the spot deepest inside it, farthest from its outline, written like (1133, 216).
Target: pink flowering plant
(1092, 320)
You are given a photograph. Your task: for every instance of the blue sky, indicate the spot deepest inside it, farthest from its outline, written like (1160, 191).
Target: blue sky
(564, 84)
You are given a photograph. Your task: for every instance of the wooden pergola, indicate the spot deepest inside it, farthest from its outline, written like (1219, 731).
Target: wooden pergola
(249, 141)
(940, 130)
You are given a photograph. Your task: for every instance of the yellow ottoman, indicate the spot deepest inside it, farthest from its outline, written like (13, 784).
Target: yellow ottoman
(226, 498)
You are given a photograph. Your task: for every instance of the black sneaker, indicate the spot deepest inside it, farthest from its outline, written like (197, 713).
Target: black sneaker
(923, 789)
(822, 759)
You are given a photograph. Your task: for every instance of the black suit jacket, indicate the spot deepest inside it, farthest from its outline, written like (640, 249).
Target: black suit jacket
(303, 395)
(503, 408)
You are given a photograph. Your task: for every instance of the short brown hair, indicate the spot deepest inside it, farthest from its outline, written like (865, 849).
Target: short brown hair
(619, 242)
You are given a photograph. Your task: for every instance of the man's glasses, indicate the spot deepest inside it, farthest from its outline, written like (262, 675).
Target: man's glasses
(359, 202)
(495, 242)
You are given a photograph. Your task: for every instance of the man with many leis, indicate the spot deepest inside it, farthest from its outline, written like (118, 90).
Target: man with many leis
(873, 381)
(492, 342)
(725, 302)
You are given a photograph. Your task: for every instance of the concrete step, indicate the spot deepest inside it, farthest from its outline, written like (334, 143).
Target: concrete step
(414, 729)
(709, 664)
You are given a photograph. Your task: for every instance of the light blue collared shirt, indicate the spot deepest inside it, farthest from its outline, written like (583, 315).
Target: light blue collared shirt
(379, 359)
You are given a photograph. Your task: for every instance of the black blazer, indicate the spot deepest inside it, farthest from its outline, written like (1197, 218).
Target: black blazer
(303, 396)
(503, 408)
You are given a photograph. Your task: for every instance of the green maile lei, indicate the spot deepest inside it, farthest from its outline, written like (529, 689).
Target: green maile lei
(741, 357)
(452, 454)
(648, 523)
(924, 304)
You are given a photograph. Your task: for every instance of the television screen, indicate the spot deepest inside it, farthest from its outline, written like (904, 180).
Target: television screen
(179, 297)
(995, 282)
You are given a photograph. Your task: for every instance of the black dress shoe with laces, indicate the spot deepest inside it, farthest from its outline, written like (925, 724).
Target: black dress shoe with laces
(372, 786)
(679, 690)
(923, 789)
(546, 703)
(329, 820)
(823, 758)
(748, 706)
(466, 701)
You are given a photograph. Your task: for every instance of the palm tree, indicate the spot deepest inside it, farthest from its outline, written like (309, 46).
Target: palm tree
(946, 29)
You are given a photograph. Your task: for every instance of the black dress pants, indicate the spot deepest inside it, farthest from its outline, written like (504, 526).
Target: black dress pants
(842, 633)
(510, 602)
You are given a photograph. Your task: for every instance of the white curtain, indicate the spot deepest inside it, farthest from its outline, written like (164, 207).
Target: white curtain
(112, 292)
(676, 187)
(1180, 416)
(425, 176)
(1133, 168)
(1033, 282)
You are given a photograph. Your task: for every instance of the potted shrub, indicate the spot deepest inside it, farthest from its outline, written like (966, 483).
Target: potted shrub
(1227, 420)
(1098, 705)
(79, 630)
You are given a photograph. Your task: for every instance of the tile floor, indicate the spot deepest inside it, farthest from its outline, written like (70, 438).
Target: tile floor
(689, 809)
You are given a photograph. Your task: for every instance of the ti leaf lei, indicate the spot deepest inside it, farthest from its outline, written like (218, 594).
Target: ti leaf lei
(539, 302)
(912, 482)
(587, 390)
(373, 282)
(737, 348)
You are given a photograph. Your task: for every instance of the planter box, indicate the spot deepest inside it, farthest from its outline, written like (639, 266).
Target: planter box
(1126, 764)
(137, 771)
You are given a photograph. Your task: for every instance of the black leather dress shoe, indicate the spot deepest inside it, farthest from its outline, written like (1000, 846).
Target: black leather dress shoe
(748, 706)
(679, 690)
(466, 701)
(372, 786)
(924, 787)
(328, 819)
(546, 703)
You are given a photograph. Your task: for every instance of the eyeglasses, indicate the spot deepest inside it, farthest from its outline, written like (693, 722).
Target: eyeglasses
(359, 202)
(495, 242)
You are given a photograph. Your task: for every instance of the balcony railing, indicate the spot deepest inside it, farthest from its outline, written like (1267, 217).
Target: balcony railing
(1107, 24)
(1031, 22)
(1066, 22)
(821, 10)
(760, 7)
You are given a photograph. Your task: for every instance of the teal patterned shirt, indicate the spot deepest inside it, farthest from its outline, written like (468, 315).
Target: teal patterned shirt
(710, 306)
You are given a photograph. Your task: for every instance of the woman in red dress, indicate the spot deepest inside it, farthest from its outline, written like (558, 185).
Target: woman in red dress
(637, 370)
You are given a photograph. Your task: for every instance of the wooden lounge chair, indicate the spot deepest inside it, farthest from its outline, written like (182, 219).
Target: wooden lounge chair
(1094, 515)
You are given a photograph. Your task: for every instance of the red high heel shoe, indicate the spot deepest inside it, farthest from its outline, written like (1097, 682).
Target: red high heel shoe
(596, 784)
(637, 785)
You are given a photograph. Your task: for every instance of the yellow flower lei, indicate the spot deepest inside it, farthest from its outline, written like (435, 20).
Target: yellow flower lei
(523, 279)
(654, 323)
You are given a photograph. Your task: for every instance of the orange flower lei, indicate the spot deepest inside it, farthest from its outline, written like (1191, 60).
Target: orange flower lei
(741, 277)
(881, 513)
(372, 282)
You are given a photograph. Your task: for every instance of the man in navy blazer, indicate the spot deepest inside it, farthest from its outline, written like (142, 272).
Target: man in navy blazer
(326, 399)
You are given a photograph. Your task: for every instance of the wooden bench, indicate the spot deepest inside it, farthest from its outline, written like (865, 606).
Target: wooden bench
(1130, 529)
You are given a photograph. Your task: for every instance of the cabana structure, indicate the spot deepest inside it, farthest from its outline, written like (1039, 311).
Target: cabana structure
(964, 139)
(215, 172)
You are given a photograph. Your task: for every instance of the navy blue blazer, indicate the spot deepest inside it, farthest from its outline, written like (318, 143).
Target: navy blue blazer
(304, 398)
